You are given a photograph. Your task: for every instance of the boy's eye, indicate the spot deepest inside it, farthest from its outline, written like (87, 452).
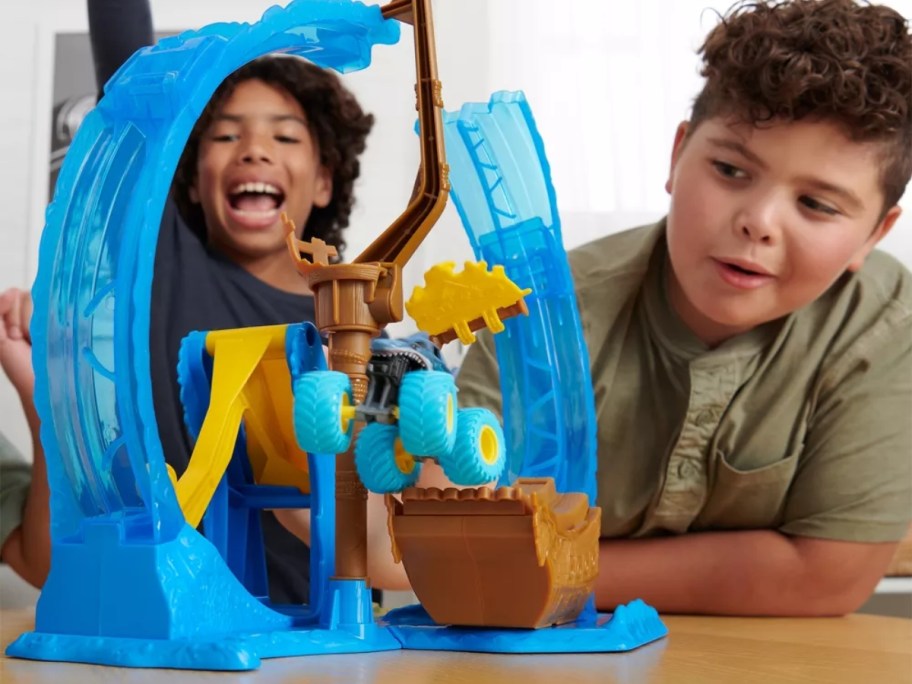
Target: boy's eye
(224, 137)
(728, 170)
(290, 139)
(817, 206)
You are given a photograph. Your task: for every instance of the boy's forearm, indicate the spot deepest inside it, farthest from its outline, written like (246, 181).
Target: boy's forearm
(758, 572)
(384, 573)
(28, 549)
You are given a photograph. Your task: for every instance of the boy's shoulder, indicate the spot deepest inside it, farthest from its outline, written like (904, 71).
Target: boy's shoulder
(881, 288)
(884, 278)
(615, 259)
(864, 314)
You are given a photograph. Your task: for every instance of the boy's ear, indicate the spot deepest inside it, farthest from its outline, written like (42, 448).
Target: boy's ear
(193, 193)
(323, 191)
(678, 146)
(876, 236)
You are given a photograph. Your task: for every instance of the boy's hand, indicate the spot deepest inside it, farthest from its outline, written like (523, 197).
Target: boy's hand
(15, 341)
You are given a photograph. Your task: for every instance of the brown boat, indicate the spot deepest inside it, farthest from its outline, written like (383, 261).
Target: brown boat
(521, 556)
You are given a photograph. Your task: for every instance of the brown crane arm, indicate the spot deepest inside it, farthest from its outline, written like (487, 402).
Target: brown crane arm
(398, 243)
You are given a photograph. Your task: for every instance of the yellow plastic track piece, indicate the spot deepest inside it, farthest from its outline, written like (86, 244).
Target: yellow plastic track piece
(451, 300)
(250, 381)
(172, 474)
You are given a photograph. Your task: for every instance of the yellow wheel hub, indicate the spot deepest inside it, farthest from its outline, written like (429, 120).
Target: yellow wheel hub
(488, 444)
(450, 413)
(404, 460)
(346, 412)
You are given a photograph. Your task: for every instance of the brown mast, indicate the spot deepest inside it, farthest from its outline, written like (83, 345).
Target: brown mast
(355, 301)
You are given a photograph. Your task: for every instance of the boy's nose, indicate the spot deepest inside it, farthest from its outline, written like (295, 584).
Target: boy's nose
(757, 233)
(757, 223)
(252, 156)
(255, 151)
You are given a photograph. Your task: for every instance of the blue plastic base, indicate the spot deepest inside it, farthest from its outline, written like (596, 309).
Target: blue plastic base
(347, 627)
(235, 653)
(227, 654)
(630, 626)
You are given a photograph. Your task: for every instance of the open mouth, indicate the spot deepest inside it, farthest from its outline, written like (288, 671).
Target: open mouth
(417, 359)
(740, 269)
(741, 275)
(256, 200)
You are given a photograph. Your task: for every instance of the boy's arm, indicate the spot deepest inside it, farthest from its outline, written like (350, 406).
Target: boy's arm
(384, 573)
(847, 506)
(751, 572)
(27, 549)
(117, 28)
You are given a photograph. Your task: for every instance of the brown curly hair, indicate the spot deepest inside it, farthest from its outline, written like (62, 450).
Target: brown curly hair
(829, 59)
(337, 123)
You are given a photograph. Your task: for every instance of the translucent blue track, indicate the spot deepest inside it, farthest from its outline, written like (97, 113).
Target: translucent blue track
(503, 192)
(125, 564)
(92, 294)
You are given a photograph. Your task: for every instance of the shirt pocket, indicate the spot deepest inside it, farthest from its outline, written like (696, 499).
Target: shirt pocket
(747, 499)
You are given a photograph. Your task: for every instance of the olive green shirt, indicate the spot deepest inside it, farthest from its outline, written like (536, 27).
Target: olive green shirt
(15, 478)
(802, 425)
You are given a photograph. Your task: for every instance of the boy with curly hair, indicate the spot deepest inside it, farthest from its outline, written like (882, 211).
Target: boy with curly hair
(751, 355)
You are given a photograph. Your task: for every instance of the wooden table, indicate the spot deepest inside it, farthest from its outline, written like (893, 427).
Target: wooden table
(858, 648)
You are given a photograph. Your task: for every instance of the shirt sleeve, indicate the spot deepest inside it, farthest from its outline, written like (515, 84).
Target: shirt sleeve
(478, 378)
(854, 476)
(15, 478)
(117, 29)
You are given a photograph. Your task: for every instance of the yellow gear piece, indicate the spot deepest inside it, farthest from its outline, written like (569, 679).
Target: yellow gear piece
(451, 300)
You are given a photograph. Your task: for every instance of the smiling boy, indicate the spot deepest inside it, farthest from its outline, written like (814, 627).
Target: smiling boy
(256, 159)
(751, 356)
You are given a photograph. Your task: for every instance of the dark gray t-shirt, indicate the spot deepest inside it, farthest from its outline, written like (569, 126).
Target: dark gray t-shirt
(197, 289)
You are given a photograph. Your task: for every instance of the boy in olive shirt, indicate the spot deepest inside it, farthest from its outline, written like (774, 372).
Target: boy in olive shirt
(751, 356)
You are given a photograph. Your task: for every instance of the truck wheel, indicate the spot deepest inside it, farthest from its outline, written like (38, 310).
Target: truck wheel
(384, 466)
(427, 412)
(478, 456)
(320, 424)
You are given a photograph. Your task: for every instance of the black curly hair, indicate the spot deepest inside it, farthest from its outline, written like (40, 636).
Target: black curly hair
(833, 60)
(337, 123)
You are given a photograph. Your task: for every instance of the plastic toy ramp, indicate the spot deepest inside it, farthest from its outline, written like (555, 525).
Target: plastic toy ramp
(236, 358)
(502, 190)
(262, 477)
(247, 379)
(126, 565)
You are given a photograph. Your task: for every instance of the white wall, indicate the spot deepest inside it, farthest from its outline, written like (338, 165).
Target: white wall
(608, 82)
